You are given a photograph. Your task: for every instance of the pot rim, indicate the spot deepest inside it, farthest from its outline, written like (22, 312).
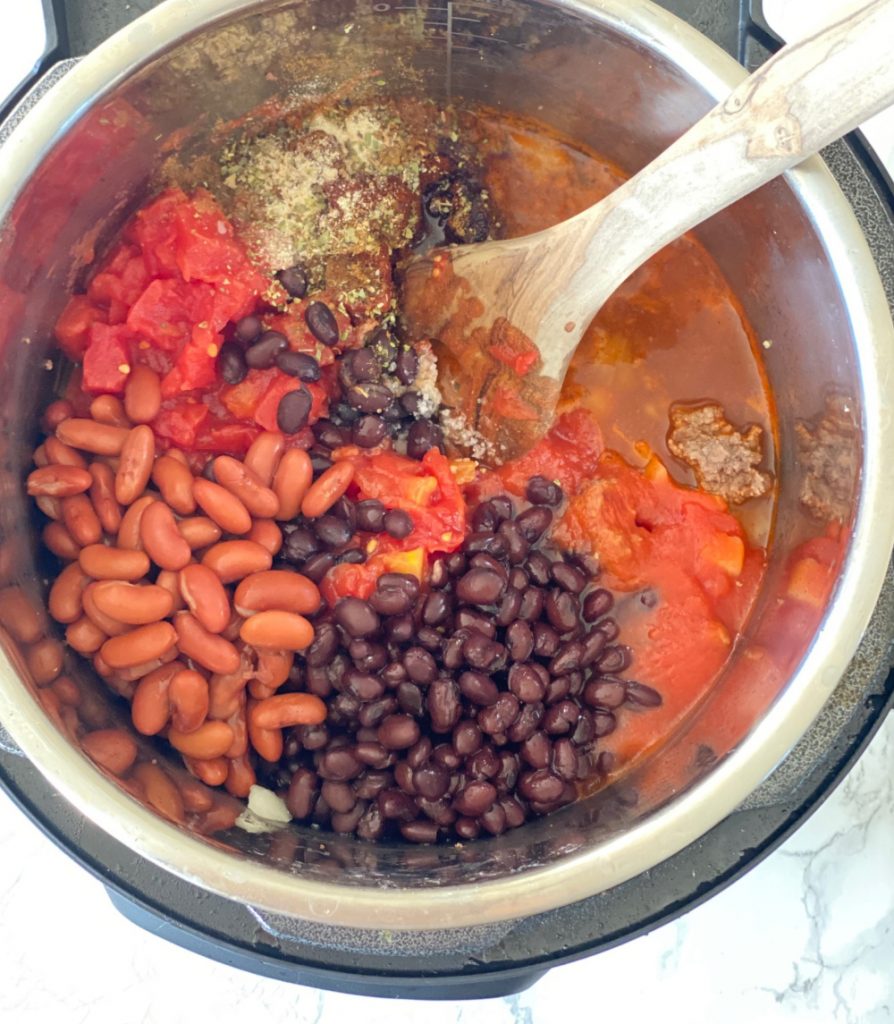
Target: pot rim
(666, 831)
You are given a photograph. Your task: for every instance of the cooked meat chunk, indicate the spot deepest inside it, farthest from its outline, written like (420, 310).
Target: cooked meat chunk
(724, 459)
(828, 456)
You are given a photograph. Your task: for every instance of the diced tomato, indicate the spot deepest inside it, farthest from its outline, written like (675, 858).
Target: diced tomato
(154, 229)
(265, 411)
(360, 580)
(569, 454)
(73, 326)
(225, 438)
(107, 359)
(123, 279)
(163, 314)
(179, 423)
(196, 366)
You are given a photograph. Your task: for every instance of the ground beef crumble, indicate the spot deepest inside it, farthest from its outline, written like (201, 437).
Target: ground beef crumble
(724, 459)
(828, 455)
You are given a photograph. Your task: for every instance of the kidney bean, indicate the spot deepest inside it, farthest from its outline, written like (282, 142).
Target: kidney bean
(107, 563)
(419, 831)
(60, 542)
(161, 792)
(150, 708)
(327, 489)
(90, 436)
(266, 533)
(260, 500)
(204, 595)
(45, 660)
(131, 522)
(68, 691)
(277, 629)
(199, 532)
(54, 414)
(222, 506)
(112, 749)
(276, 589)
(212, 771)
(175, 481)
(80, 520)
(102, 496)
(568, 577)
(65, 600)
(209, 741)
(139, 645)
(264, 454)
(597, 603)
(267, 742)
(19, 616)
(58, 481)
(110, 410)
(642, 696)
(108, 624)
(609, 628)
(132, 604)
(409, 697)
(209, 650)
(291, 482)
(240, 776)
(233, 560)
(288, 709)
(60, 454)
(142, 394)
(161, 538)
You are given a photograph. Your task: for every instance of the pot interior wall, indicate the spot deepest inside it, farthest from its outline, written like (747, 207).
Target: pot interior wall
(581, 75)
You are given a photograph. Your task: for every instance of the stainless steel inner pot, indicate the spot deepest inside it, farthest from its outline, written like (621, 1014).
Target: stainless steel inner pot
(620, 75)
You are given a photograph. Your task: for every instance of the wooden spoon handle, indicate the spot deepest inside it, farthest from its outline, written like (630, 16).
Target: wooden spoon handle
(808, 95)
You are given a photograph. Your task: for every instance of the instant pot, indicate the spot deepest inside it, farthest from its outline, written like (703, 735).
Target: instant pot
(489, 917)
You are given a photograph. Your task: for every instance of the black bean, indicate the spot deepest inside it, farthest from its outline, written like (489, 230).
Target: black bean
(370, 515)
(369, 397)
(394, 672)
(353, 556)
(593, 643)
(439, 811)
(467, 828)
(397, 523)
(480, 587)
(339, 764)
(519, 640)
(319, 462)
(338, 795)
(429, 638)
(484, 518)
(483, 763)
(345, 822)
(485, 541)
(332, 531)
(302, 793)
(438, 576)
(494, 820)
(391, 601)
(546, 640)
(262, 354)
(371, 713)
(564, 759)
(346, 707)
(609, 628)
(437, 608)
(482, 653)
(356, 617)
(422, 436)
(231, 363)
(542, 786)
(536, 750)
(363, 685)
(383, 346)
(561, 718)
(293, 410)
(456, 563)
(294, 280)
(316, 567)
(533, 523)
(248, 329)
(361, 367)
(323, 646)
(567, 658)
(541, 491)
(526, 683)
(558, 689)
(452, 651)
(478, 688)
(643, 696)
(369, 431)
(419, 753)
(376, 756)
(604, 722)
(409, 697)
(299, 545)
(515, 813)
(562, 610)
(539, 568)
(596, 604)
(531, 607)
(445, 756)
(475, 798)
(397, 805)
(371, 826)
(410, 403)
(516, 546)
(419, 831)
(443, 705)
(329, 434)
(499, 716)
(420, 665)
(614, 659)
(406, 365)
(322, 323)
(509, 607)
(298, 364)
(583, 732)
(568, 577)
(397, 732)
(400, 629)
(344, 415)
(466, 737)
(314, 737)
(431, 781)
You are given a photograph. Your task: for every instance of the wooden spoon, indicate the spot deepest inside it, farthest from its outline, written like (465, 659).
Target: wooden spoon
(507, 316)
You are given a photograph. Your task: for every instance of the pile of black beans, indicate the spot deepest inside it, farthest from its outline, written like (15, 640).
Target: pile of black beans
(466, 707)
(376, 401)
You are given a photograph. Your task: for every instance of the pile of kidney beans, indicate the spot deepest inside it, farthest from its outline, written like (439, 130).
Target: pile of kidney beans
(465, 706)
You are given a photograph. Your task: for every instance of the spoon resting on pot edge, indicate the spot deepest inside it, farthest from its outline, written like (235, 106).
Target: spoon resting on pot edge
(530, 299)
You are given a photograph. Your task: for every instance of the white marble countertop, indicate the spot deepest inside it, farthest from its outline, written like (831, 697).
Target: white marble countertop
(806, 937)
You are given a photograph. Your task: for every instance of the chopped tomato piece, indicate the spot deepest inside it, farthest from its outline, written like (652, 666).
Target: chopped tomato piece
(107, 359)
(180, 422)
(73, 325)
